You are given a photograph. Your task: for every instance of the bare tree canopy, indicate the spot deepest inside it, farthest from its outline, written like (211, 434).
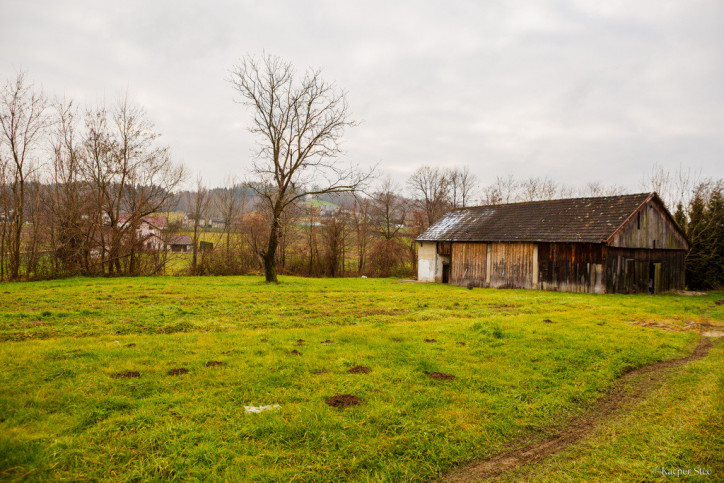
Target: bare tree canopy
(299, 121)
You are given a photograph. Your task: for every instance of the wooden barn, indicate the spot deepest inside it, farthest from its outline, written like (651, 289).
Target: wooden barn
(612, 244)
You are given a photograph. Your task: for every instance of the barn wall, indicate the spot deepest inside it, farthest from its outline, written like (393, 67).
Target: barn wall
(426, 261)
(468, 262)
(430, 262)
(630, 270)
(649, 228)
(510, 265)
(571, 267)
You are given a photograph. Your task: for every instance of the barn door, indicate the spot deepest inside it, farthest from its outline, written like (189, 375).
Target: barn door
(445, 273)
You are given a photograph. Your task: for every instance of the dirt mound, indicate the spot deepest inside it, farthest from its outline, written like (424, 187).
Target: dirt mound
(131, 345)
(430, 340)
(343, 401)
(719, 302)
(441, 375)
(360, 370)
(178, 372)
(605, 408)
(547, 321)
(295, 352)
(328, 341)
(214, 364)
(300, 342)
(122, 375)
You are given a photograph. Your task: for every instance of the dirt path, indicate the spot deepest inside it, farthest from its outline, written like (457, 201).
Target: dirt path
(620, 394)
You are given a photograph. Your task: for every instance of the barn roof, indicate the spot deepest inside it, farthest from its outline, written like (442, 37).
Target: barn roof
(575, 220)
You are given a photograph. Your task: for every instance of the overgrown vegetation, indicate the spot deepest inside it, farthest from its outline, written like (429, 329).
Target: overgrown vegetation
(523, 361)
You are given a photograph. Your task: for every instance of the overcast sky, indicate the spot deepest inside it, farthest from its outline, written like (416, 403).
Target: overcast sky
(577, 91)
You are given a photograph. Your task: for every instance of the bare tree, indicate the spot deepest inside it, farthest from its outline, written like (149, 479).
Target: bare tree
(361, 215)
(463, 184)
(201, 205)
(300, 122)
(389, 210)
(430, 186)
(537, 189)
(132, 177)
(503, 190)
(597, 189)
(22, 121)
(231, 203)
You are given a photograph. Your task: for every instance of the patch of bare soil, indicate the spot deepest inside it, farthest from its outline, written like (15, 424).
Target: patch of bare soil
(123, 375)
(719, 302)
(360, 370)
(214, 364)
(131, 345)
(300, 342)
(343, 401)
(178, 372)
(319, 371)
(624, 392)
(263, 340)
(328, 341)
(547, 321)
(460, 343)
(689, 293)
(441, 375)
(295, 353)
(396, 340)
(430, 340)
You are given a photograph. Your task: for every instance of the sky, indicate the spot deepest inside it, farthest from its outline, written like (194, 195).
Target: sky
(578, 91)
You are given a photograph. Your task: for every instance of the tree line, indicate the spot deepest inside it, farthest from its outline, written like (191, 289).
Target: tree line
(76, 184)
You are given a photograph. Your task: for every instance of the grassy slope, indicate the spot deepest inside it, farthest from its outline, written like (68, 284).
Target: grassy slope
(62, 415)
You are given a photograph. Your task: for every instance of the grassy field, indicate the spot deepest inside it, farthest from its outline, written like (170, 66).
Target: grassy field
(524, 362)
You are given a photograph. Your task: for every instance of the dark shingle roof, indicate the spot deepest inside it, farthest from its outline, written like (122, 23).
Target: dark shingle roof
(576, 220)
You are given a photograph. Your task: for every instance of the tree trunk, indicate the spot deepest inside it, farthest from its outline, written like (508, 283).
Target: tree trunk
(270, 266)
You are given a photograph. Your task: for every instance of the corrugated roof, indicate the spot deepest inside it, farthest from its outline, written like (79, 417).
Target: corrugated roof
(575, 220)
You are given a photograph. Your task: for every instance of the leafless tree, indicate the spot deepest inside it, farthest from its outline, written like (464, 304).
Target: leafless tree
(300, 121)
(463, 184)
(231, 203)
(201, 206)
(389, 210)
(598, 189)
(22, 121)
(69, 201)
(430, 186)
(132, 177)
(361, 218)
(504, 190)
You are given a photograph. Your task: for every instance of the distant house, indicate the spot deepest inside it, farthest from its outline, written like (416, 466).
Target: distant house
(148, 230)
(179, 244)
(218, 224)
(613, 244)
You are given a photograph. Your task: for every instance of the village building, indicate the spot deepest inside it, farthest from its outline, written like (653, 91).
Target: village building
(148, 230)
(179, 244)
(612, 244)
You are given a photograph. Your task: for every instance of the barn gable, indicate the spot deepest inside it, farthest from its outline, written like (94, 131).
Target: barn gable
(649, 226)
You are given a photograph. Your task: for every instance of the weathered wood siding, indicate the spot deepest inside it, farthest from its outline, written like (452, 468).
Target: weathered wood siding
(511, 265)
(650, 228)
(571, 267)
(630, 270)
(496, 265)
(468, 263)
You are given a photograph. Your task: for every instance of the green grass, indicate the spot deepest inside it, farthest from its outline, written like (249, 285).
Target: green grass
(63, 416)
